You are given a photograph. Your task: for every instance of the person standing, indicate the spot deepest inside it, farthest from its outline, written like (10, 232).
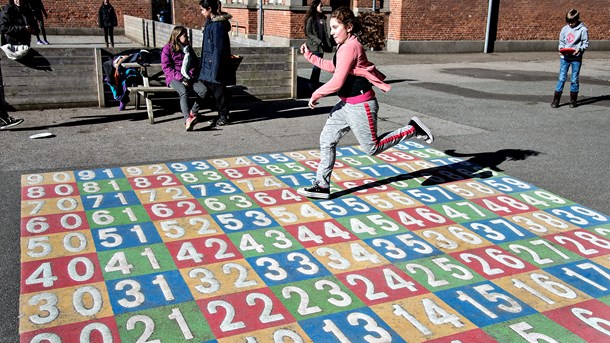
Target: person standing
(352, 80)
(318, 39)
(179, 62)
(576, 36)
(107, 20)
(215, 71)
(17, 24)
(40, 13)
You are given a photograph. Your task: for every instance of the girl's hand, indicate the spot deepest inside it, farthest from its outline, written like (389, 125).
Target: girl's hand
(304, 48)
(312, 103)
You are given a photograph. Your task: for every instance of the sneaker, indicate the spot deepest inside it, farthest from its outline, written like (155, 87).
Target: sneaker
(315, 191)
(421, 130)
(46, 42)
(190, 122)
(9, 122)
(39, 42)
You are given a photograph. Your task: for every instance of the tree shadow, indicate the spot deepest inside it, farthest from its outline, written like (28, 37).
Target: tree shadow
(479, 165)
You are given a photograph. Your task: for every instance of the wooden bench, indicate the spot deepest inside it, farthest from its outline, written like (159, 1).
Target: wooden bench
(146, 90)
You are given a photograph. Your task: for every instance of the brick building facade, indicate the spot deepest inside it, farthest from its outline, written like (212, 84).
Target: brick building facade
(454, 25)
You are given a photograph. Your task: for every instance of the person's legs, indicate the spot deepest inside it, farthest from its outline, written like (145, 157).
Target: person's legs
(184, 98)
(111, 34)
(219, 92)
(43, 31)
(575, 77)
(563, 74)
(336, 127)
(201, 91)
(106, 33)
(362, 120)
(314, 79)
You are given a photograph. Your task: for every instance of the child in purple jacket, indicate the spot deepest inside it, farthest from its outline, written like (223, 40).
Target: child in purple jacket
(178, 61)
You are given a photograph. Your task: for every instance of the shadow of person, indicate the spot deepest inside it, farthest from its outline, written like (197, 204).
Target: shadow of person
(479, 165)
(589, 101)
(36, 61)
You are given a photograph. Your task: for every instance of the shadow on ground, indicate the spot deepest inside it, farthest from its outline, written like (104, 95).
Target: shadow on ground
(478, 165)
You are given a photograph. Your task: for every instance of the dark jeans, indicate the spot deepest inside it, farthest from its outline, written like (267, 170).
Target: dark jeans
(183, 92)
(220, 94)
(314, 79)
(109, 32)
(42, 30)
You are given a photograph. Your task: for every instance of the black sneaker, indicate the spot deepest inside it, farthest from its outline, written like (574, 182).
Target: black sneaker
(421, 130)
(315, 191)
(9, 122)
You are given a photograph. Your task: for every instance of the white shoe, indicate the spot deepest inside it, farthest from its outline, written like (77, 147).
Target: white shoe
(421, 130)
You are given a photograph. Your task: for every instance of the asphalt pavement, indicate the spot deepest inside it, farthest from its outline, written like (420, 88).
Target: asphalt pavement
(489, 108)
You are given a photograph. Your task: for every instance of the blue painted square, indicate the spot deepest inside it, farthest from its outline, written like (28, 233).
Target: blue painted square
(346, 206)
(107, 200)
(224, 187)
(381, 170)
(580, 216)
(147, 291)
(285, 267)
(587, 276)
(485, 303)
(251, 219)
(298, 180)
(264, 159)
(432, 194)
(498, 230)
(359, 325)
(409, 145)
(507, 184)
(402, 247)
(125, 236)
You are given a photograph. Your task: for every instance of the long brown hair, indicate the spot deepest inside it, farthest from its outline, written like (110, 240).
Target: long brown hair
(173, 38)
(312, 12)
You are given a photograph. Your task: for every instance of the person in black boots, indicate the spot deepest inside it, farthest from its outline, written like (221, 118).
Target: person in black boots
(216, 70)
(107, 20)
(573, 41)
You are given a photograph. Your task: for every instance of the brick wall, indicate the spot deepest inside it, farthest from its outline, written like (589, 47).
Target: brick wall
(83, 14)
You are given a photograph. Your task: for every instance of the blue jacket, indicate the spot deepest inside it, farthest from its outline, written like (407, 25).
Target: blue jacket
(216, 51)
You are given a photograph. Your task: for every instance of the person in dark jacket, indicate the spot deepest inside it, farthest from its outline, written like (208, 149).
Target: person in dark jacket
(216, 70)
(179, 63)
(107, 20)
(318, 39)
(40, 13)
(17, 23)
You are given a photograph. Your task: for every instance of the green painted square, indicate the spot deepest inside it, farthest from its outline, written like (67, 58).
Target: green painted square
(104, 186)
(605, 300)
(462, 211)
(116, 216)
(227, 203)
(178, 323)
(264, 241)
(438, 273)
(316, 297)
(541, 252)
(375, 224)
(135, 261)
(534, 328)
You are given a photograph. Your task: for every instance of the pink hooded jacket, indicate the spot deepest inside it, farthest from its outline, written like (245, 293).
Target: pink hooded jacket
(351, 59)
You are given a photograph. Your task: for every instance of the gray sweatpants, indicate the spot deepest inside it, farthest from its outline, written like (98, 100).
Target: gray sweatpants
(362, 120)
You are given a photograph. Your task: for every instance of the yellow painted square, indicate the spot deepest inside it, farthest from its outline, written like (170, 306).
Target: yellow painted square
(387, 201)
(298, 213)
(470, 189)
(164, 194)
(47, 178)
(304, 155)
(259, 184)
(43, 207)
(452, 238)
(541, 290)
(63, 306)
(541, 223)
(176, 229)
(347, 256)
(409, 318)
(146, 170)
(413, 166)
(223, 278)
(347, 174)
(44, 247)
(231, 162)
(602, 260)
(285, 333)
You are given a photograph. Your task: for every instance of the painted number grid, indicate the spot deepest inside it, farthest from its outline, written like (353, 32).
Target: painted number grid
(415, 246)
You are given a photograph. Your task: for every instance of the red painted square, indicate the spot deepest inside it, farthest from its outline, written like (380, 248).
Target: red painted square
(585, 243)
(53, 223)
(49, 191)
(100, 330)
(493, 262)
(503, 205)
(589, 319)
